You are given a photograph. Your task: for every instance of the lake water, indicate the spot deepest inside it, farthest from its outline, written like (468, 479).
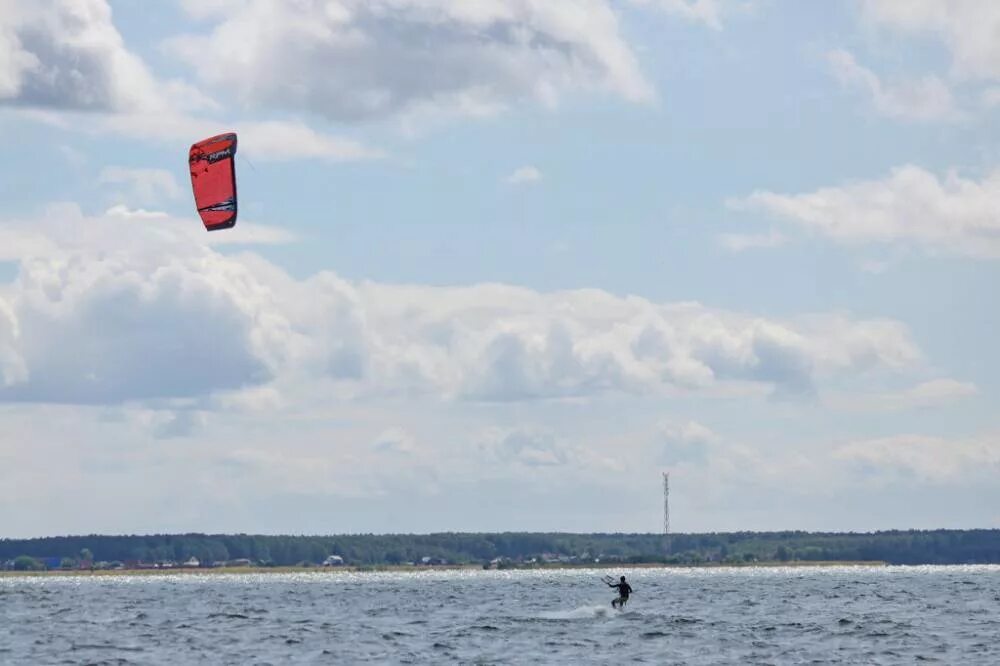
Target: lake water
(851, 615)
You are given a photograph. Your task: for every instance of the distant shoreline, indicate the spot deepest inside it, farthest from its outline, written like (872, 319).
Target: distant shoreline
(187, 571)
(501, 550)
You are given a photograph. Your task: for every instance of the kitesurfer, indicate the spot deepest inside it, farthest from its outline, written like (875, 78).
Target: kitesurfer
(624, 589)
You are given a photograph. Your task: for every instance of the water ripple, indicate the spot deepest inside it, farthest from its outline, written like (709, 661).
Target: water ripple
(884, 615)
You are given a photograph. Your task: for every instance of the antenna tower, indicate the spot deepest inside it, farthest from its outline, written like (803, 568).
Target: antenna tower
(666, 511)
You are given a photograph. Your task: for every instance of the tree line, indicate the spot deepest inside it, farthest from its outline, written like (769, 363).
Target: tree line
(893, 547)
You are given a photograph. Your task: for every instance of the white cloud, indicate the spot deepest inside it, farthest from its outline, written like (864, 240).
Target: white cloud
(874, 266)
(275, 141)
(909, 206)
(991, 98)
(179, 423)
(158, 423)
(61, 59)
(134, 305)
(686, 443)
(266, 141)
(247, 233)
(525, 175)
(127, 306)
(69, 55)
(357, 60)
(937, 391)
(145, 186)
(394, 440)
(532, 447)
(12, 366)
(926, 459)
(968, 28)
(742, 242)
(932, 393)
(73, 156)
(926, 99)
(709, 12)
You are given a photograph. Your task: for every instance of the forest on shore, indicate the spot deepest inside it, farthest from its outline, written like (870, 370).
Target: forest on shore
(501, 549)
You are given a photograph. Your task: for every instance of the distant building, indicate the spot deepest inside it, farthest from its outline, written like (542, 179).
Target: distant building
(333, 561)
(427, 560)
(192, 563)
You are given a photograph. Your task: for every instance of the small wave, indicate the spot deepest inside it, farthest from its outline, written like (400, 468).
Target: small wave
(396, 634)
(686, 620)
(486, 627)
(581, 613)
(107, 646)
(654, 634)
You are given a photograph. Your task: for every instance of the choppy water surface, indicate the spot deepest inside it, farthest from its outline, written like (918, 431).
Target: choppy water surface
(685, 616)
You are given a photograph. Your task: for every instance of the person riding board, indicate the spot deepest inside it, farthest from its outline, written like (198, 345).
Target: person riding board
(624, 589)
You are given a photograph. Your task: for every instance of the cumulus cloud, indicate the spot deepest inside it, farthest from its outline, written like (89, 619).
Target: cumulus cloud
(134, 305)
(926, 99)
(352, 60)
(532, 447)
(69, 55)
(909, 206)
(991, 98)
(103, 320)
(496, 343)
(742, 242)
(924, 458)
(12, 365)
(179, 423)
(525, 175)
(144, 186)
(685, 442)
(104, 333)
(27, 242)
(279, 140)
(266, 141)
(932, 393)
(708, 12)
(394, 440)
(967, 27)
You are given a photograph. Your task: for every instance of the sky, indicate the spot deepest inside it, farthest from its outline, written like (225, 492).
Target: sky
(499, 264)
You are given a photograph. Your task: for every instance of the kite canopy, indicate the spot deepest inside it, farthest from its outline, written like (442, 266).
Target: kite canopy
(213, 179)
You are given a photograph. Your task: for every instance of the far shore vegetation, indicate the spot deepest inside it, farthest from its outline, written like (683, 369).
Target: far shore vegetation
(509, 550)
